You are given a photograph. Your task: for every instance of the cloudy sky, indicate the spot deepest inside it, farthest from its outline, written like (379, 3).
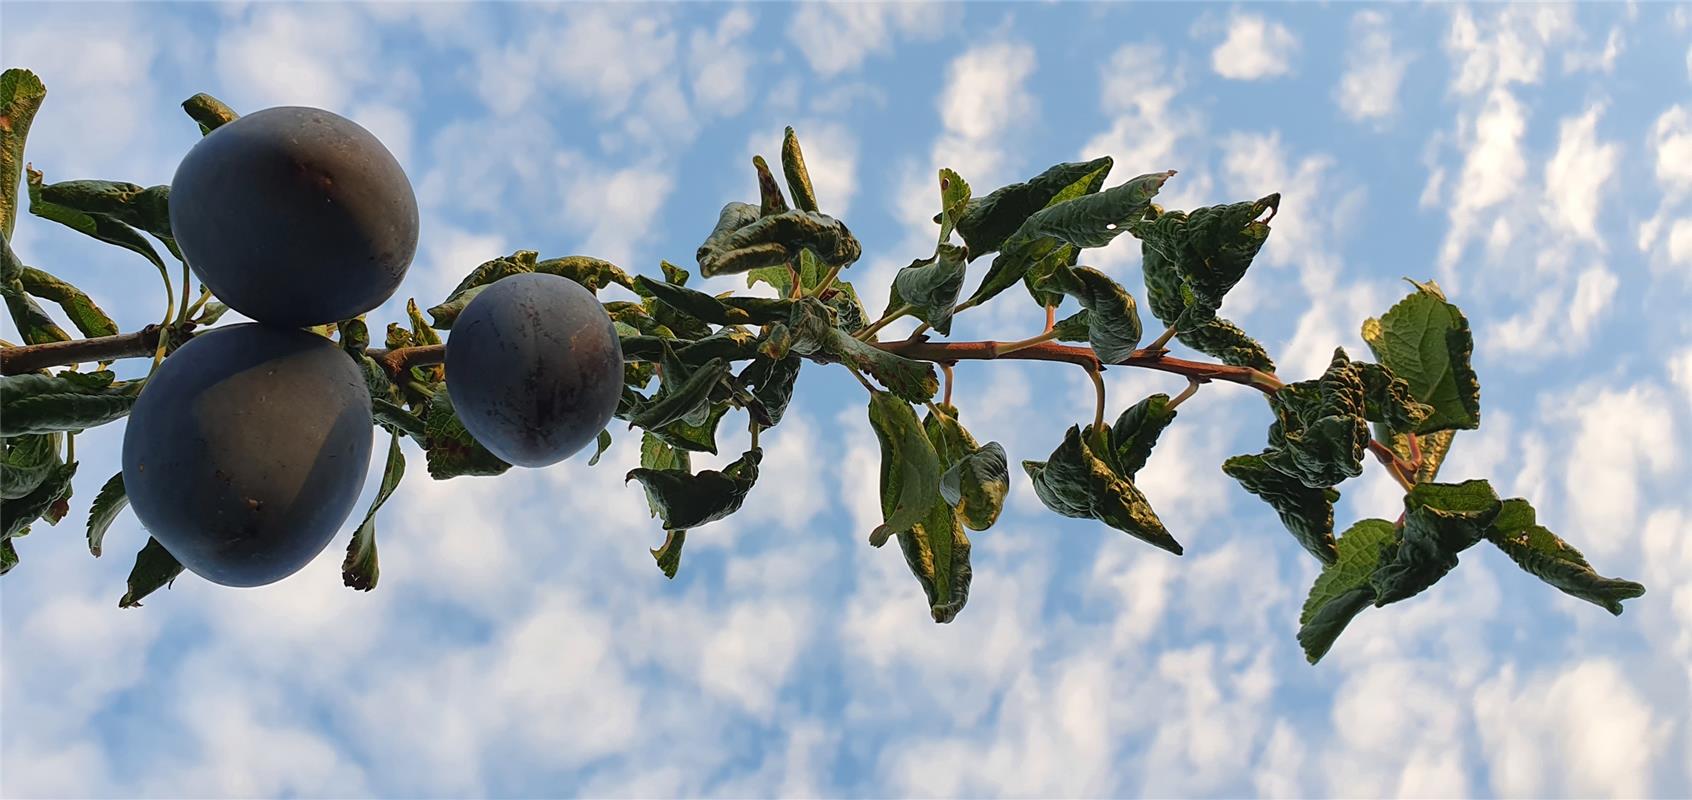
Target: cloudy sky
(1535, 160)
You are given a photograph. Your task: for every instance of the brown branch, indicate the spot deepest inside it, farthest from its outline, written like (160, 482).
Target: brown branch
(396, 362)
(31, 357)
(953, 352)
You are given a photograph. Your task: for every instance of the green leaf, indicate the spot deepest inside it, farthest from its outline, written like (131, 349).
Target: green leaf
(26, 462)
(701, 438)
(772, 383)
(1343, 589)
(685, 501)
(718, 311)
(1224, 341)
(848, 309)
(1208, 250)
(1426, 341)
(32, 321)
(99, 226)
(974, 478)
(937, 551)
(210, 313)
(930, 287)
(1074, 328)
(449, 449)
(518, 263)
(1440, 521)
(770, 200)
(668, 555)
(798, 178)
(815, 337)
(396, 419)
(1387, 399)
(1089, 220)
(147, 209)
(66, 401)
(1544, 555)
(954, 200)
(1075, 482)
(684, 394)
(988, 221)
(209, 112)
(8, 556)
(777, 239)
(733, 217)
(1136, 431)
(445, 314)
(79, 307)
(600, 447)
(780, 276)
(359, 570)
(21, 94)
(16, 515)
(592, 273)
(1095, 220)
(154, 568)
(1319, 436)
(910, 469)
(1113, 323)
(1307, 513)
(673, 274)
(108, 504)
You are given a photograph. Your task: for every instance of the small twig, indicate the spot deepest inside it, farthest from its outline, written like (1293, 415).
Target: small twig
(754, 429)
(1415, 453)
(827, 280)
(868, 334)
(1163, 339)
(1051, 317)
(916, 334)
(1192, 389)
(946, 369)
(861, 379)
(1395, 465)
(1006, 348)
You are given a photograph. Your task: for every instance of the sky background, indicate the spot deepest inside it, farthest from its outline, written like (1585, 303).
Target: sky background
(1535, 160)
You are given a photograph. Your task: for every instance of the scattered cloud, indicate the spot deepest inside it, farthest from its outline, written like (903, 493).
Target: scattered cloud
(1374, 70)
(838, 37)
(1255, 48)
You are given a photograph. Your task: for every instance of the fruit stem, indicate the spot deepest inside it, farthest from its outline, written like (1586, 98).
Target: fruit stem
(1051, 317)
(946, 369)
(1395, 465)
(754, 429)
(186, 277)
(1099, 392)
(827, 280)
(1192, 389)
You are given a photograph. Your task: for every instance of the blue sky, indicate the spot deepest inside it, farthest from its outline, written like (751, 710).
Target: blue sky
(1535, 160)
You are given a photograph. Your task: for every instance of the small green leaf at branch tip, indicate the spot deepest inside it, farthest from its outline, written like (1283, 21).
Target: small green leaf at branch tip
(1426, 341)
(603, 443)
(988, 221)
(78, 307)
(26, 463)
(155, 568)
(668, 555)
(1343, 589)
(21, 95)
(928, 288)
(769, 193)
(954, 200)
(108, 504)
(1307, 513)
(798, 177)
(1544, 555)
(41, 502)
(104, 227)
(360, 570)
(209, 112)
(1319, 435)
(1113, 321)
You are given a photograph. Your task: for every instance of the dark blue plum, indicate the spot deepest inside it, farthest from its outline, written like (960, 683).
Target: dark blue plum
(246, 451)
(534, 368)
(294, 216)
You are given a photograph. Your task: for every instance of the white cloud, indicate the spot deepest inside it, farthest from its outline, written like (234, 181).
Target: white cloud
(839, 37)
(1575, 177)
(1374, 70)
(1601, 60)
(1680, 371)
(1582, 729)
(985, 96)
(1255, 48)
(1561, 319)
(1671, 144)
(1616, 444)
(617, 209)
(722, 65)
(1509, 47)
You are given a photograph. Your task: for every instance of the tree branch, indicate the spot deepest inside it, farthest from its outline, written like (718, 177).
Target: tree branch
(31, 357)
(953, 352)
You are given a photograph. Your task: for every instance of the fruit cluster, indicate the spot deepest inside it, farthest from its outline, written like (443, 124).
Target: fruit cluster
(249, 445)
